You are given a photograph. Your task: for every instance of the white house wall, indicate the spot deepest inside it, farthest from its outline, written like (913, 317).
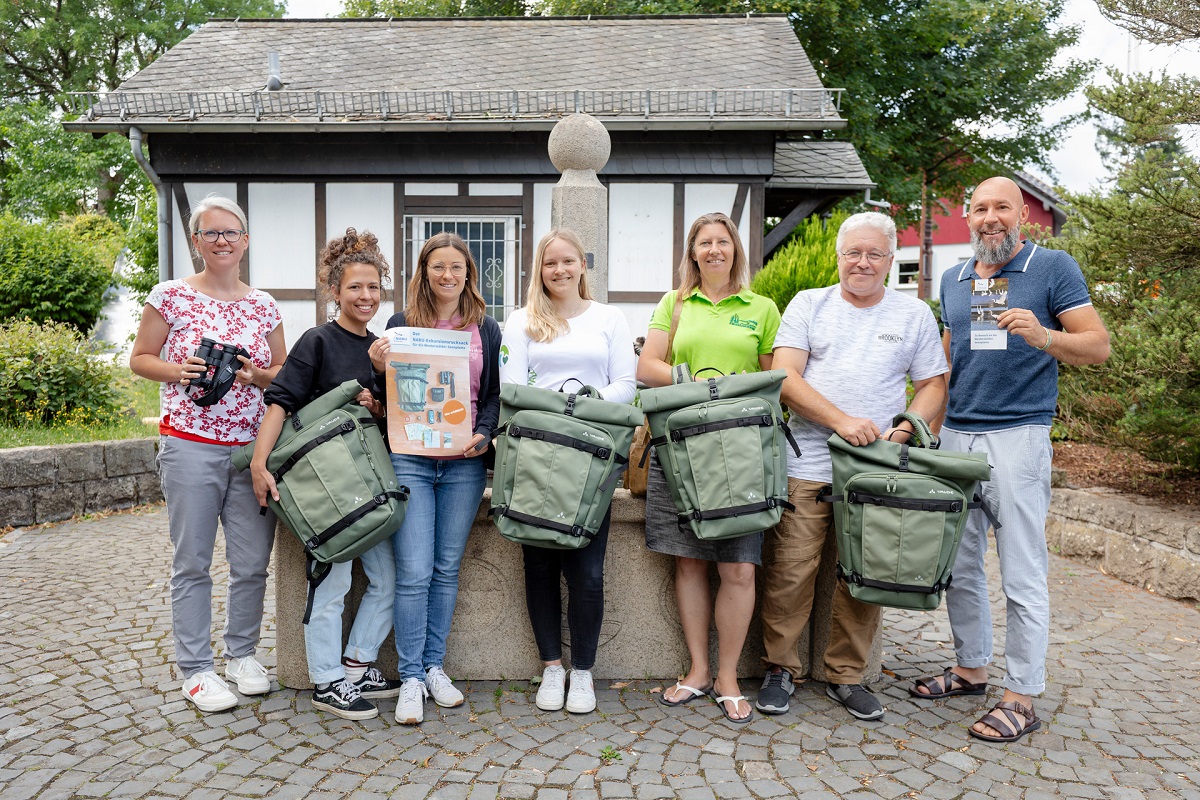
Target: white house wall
(945, 256)
(282, 248)
(298, 316)
(640, 237)
(706, 198)
(542, 194)
(369, 207)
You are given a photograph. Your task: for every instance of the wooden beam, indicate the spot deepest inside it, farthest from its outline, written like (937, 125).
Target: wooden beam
(739, 204)
(677, 226)
(754, 247)
(634, 297)
(319, 216)
(243, 200)
(776, 235)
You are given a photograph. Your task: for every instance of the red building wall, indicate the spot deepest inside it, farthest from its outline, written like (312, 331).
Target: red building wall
(952, 228)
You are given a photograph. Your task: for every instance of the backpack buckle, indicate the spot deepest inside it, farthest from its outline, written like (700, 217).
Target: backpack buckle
(602, 453)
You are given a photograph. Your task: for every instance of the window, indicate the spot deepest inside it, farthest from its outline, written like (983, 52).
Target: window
(908, 272)
(495, 243)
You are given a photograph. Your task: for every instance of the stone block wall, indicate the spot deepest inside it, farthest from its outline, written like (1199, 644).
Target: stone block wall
(1149, 545)
(46, 484)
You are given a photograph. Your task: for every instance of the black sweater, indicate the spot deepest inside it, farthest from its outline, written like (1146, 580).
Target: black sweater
(324, 358)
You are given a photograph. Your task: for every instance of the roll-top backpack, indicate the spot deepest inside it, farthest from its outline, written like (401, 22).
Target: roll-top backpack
(559, 458)
(899, 512)
(720, 443)
(337, 490)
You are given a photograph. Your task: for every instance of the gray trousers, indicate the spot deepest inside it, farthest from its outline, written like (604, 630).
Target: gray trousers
(201, 486)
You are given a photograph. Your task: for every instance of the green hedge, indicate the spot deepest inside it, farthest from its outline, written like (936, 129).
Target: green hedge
(807, 261)
(56, 271)
(50, 375)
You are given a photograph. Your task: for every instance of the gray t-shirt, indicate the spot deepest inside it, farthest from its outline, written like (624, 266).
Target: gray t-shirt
(857, 360)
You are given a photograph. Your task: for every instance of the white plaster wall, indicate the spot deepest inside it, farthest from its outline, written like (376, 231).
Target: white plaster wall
(298, 316)
(181, 247)
(638, 317)
(495, 189)
(439, 189)
(282, 247)
(705, 198)
(640, 236)
(945, 256)
(370, 207)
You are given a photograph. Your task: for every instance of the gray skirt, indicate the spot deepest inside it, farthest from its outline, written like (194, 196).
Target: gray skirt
(664, 533)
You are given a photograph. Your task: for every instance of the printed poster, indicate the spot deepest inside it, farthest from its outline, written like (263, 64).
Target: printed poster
(989, 298)
(428, 391)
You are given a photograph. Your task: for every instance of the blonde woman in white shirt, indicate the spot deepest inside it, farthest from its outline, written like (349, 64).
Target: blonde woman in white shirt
(562, 336)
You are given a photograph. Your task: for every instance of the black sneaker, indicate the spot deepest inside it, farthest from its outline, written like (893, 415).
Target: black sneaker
(775, 690)
(342, 699)
(374, 686)
(857, 700)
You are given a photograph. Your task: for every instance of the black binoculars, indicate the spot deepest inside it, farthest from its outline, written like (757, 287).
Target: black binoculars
(221, 365)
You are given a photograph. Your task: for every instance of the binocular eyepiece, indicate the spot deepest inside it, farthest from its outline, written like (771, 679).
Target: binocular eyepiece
(221, 365)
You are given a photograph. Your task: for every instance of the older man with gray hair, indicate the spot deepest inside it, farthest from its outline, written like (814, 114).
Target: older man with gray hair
(847, 350)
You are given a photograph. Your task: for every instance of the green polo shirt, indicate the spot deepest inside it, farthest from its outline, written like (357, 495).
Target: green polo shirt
(728, 336)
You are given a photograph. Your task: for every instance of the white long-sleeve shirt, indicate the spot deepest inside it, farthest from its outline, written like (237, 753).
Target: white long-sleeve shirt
(597, 351)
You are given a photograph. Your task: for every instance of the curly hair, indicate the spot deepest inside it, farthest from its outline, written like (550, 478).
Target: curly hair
(353, 248)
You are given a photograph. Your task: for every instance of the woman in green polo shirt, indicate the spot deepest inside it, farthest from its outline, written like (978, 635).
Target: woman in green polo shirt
(711, 322)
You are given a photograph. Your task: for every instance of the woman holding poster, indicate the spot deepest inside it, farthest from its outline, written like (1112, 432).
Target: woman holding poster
(560, 336)
(446, 484)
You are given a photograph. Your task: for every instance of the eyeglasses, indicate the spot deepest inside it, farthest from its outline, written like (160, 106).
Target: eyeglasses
(458, 270)
(874, 258)
(233, 236)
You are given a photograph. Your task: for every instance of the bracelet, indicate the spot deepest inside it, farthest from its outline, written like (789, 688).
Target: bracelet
(1049, 339)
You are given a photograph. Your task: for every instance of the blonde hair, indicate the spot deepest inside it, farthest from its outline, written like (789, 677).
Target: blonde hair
(421, 311)
(543, 322)
(689, 270)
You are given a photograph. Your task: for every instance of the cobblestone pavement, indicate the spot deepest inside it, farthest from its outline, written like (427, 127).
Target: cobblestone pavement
(90, 707)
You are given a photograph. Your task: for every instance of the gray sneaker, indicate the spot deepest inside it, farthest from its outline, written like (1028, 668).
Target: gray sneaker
(857, 700)
(775, 690)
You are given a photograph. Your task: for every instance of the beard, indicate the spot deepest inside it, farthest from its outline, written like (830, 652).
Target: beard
(999, 253)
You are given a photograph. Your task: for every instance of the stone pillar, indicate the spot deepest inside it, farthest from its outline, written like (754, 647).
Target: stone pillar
(490, 638)
(579, 148)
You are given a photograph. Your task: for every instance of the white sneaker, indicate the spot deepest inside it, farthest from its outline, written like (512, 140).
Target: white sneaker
(249, 675)
(550, 693)
(410, 710)
(582, 697)
(208, 692)
(441, 689)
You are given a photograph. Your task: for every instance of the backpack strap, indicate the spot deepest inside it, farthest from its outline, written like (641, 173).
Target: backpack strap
(757, 421)
(540, 522)
(525, 432)
(859, 580)
(317, 572)
(978, 502)
(313, 542)
(906, 503)
(341, 430)
(735, 511)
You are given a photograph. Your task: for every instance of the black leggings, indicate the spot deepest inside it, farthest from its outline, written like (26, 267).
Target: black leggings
(584, 570)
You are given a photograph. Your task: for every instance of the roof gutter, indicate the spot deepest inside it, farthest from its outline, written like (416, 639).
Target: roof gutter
(160, 191)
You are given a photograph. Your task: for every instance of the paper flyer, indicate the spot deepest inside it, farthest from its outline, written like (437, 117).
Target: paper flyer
(989, 298)
(428, 391)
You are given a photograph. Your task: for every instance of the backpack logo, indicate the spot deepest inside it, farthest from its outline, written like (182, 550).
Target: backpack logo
(940, 491)
(749, 324)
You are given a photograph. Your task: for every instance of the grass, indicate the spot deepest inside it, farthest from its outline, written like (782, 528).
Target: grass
(139, 398)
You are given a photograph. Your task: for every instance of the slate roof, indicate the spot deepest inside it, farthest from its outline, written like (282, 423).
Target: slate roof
(653, 69)
(818, 165)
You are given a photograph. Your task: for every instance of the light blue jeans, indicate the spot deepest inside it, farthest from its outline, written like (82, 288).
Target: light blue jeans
(323, 633)
(443, 499)
(1019, 493)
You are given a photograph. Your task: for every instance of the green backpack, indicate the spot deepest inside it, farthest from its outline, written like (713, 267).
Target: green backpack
(720, 444)
(899, 515)
(559, 458)
(337, 490)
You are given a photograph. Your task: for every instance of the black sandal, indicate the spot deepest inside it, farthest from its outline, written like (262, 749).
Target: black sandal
(1010, 729)
(948, 684)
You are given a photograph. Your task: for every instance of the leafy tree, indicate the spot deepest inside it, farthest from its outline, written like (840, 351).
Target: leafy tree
(1140, 242)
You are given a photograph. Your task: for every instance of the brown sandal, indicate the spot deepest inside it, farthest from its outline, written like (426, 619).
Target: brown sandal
(948, 684)
(1007, 725)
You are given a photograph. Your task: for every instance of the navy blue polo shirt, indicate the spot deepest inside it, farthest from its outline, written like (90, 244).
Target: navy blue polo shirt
(994, 390)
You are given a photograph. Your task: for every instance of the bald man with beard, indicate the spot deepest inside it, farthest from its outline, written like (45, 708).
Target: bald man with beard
(1003, 391)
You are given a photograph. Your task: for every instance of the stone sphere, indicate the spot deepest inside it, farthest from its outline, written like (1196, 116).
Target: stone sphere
(579, 142)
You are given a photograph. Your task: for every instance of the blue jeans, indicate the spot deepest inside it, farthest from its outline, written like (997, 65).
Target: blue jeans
(444, 497)
(1019, 493)
(323, 633)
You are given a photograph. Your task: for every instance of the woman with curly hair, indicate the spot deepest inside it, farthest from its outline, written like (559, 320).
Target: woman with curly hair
(353, 270)
(444, 490)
